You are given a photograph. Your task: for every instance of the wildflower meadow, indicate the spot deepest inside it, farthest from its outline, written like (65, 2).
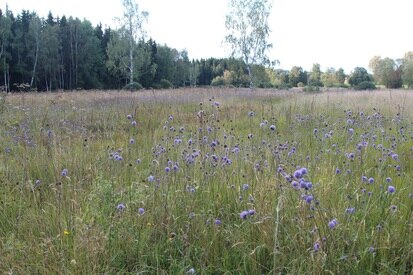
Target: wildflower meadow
(206, 181)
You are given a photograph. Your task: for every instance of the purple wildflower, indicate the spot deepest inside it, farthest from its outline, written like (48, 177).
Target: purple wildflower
(134, 123)
(316, 246)
(309, 198)
(244, 214)
(298, 174)
(350, 210)
(218, 222)
(120, 207)
(129, 116)
(64, 172)
(141, 211)
(391, 189)
(333, 223)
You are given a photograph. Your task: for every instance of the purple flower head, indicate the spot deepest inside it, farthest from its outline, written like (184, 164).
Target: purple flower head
(134, 123)
(251, 113)
(391, 189)
(167, 169)
(129, 116)
(151, 178)
(272, 127)
(132, 141)
(37, 183)
(245, 186)
(388, 179)
(371, 180)
(251, 212)
(303, 171)
(350, 210)
(309, 198)
(338, 171)
(141, 211)
(64, 172)
(316, 246)
(371, 249)
(332, 224)
(364, 179)
(170, 117)
(295, 184)
(120, 207)
(395, 156)
(244, 214)
(298, 174)
(218, 222)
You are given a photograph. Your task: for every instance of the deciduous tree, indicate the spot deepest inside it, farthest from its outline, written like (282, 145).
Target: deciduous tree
(248, 31)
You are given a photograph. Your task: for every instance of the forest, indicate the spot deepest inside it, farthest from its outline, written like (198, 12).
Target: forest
(51, 54)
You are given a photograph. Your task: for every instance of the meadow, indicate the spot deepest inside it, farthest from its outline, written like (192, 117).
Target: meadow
(206, 181)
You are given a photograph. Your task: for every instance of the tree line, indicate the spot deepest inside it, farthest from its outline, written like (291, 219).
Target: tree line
(67, 53)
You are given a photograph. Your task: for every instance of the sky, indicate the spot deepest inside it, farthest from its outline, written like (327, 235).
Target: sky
(332, 33)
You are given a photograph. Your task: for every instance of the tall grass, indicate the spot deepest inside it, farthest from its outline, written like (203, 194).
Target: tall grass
(208, 181)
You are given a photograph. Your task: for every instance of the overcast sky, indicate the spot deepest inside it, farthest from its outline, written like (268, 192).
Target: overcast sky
(330, 32)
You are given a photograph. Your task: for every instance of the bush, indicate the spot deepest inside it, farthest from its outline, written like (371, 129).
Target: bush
(218, 81)
(166, 84)
(311, 89)
(365, 85)
(134, 86)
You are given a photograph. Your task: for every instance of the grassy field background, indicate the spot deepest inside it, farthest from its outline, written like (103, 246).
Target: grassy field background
(206, 181)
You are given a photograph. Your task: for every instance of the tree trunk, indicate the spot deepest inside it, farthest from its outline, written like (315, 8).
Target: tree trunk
(35, 64)
(131, 60)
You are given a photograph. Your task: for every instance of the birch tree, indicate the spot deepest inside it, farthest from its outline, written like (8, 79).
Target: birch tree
(35, 29)
(248, 31)
(122, 50)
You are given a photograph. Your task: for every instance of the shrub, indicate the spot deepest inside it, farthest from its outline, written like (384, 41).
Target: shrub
(311, 89)
(166, 84)
(133, 86)
(218, 81)
(365, 85)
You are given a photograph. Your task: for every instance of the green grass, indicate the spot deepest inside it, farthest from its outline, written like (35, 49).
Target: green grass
(72, 225)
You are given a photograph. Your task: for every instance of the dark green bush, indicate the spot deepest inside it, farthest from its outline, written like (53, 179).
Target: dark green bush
(134, 86)
(166, 84)
(365, 85)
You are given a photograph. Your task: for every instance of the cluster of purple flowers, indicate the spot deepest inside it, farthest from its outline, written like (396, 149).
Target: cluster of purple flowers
(246, 213)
